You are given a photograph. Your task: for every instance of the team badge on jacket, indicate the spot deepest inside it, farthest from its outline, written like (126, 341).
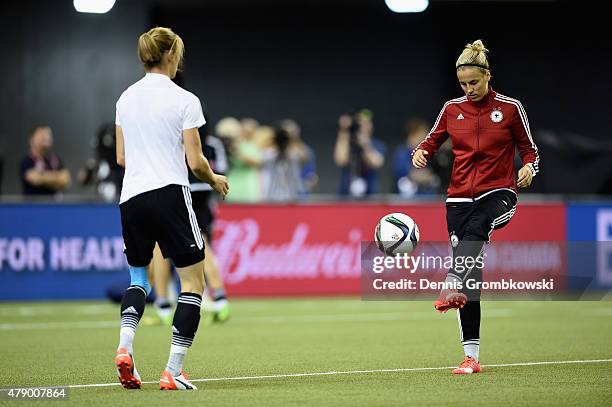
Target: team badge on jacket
(497, 115)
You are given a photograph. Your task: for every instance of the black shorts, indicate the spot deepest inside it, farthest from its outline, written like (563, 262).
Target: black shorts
(470, 225)
(204, 206)
(480, 218)
(166, 216)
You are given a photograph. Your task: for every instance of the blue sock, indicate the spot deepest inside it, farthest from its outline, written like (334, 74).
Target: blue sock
(139, 277)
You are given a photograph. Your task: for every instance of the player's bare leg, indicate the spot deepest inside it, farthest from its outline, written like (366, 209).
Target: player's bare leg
(162, 276)
(216, 289)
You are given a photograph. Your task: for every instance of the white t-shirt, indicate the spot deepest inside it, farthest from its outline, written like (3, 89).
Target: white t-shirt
(152, 114)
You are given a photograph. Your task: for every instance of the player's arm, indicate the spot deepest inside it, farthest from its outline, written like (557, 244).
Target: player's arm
(199, 165)
(119, 148)
(430, 145)
(528, 151)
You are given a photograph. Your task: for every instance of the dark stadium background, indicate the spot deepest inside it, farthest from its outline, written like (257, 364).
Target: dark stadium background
(312, 61)
(306, 325)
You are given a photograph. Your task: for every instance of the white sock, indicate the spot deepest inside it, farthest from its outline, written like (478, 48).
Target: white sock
(175, 360)
(471, 350)
(126, 338)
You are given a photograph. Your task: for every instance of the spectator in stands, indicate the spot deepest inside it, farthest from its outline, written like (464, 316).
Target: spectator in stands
(308, 171)
(42, 171)
(228, 129)
(245, 164)
(359, 155)
(281, 171)
(263, 137)
(408, 180)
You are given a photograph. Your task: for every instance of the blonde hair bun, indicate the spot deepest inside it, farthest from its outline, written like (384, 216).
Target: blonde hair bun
(154, 43)
(474, 54)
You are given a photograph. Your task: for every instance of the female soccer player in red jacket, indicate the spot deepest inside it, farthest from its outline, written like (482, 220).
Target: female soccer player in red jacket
(485, 127)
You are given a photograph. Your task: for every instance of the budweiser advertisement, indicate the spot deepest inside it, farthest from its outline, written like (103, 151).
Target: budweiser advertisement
(317, 249)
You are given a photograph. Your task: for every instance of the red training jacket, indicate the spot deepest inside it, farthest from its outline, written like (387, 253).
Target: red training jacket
(484, 135)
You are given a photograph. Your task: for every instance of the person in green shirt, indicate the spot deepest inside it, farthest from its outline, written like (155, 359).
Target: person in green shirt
(245, 165)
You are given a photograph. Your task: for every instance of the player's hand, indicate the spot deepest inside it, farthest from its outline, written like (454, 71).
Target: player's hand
(219, 184)
(524, 177)
(419, 159)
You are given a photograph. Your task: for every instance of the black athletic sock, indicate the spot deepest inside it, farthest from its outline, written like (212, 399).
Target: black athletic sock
(184, 326)
(469, 326)
(132, 308)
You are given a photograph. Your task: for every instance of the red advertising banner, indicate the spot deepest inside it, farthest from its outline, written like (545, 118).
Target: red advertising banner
(316, 249)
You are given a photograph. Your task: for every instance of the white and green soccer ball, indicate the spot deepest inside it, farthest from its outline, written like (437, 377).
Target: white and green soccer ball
(396, 233)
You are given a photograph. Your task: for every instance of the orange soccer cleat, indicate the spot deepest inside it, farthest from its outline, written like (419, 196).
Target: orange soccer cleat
(469, 366)
(128, 375)
(180, 382)
(449, 299)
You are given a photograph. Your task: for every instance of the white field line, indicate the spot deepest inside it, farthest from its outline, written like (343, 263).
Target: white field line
(361, 317)
(33, 311)
(27, 326)
(348, 372)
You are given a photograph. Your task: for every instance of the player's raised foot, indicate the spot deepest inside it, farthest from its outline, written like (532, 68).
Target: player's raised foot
(126, 369)
(222, 310)
(469, 366)
(450, 299)
(180, 382)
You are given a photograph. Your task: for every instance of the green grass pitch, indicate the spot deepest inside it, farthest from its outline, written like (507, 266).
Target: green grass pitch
(73, 343)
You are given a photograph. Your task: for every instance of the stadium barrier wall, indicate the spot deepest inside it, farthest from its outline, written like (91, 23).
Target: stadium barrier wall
(590, 264)
(66, 251)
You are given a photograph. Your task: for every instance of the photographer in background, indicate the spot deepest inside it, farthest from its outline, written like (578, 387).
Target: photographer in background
(358, 154)
(102, 170)
(409, 181)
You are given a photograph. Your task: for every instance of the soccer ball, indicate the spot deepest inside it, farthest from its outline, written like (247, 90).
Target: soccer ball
(396, 233)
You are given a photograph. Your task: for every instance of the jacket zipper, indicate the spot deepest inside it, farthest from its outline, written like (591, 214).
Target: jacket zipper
(477, 150)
